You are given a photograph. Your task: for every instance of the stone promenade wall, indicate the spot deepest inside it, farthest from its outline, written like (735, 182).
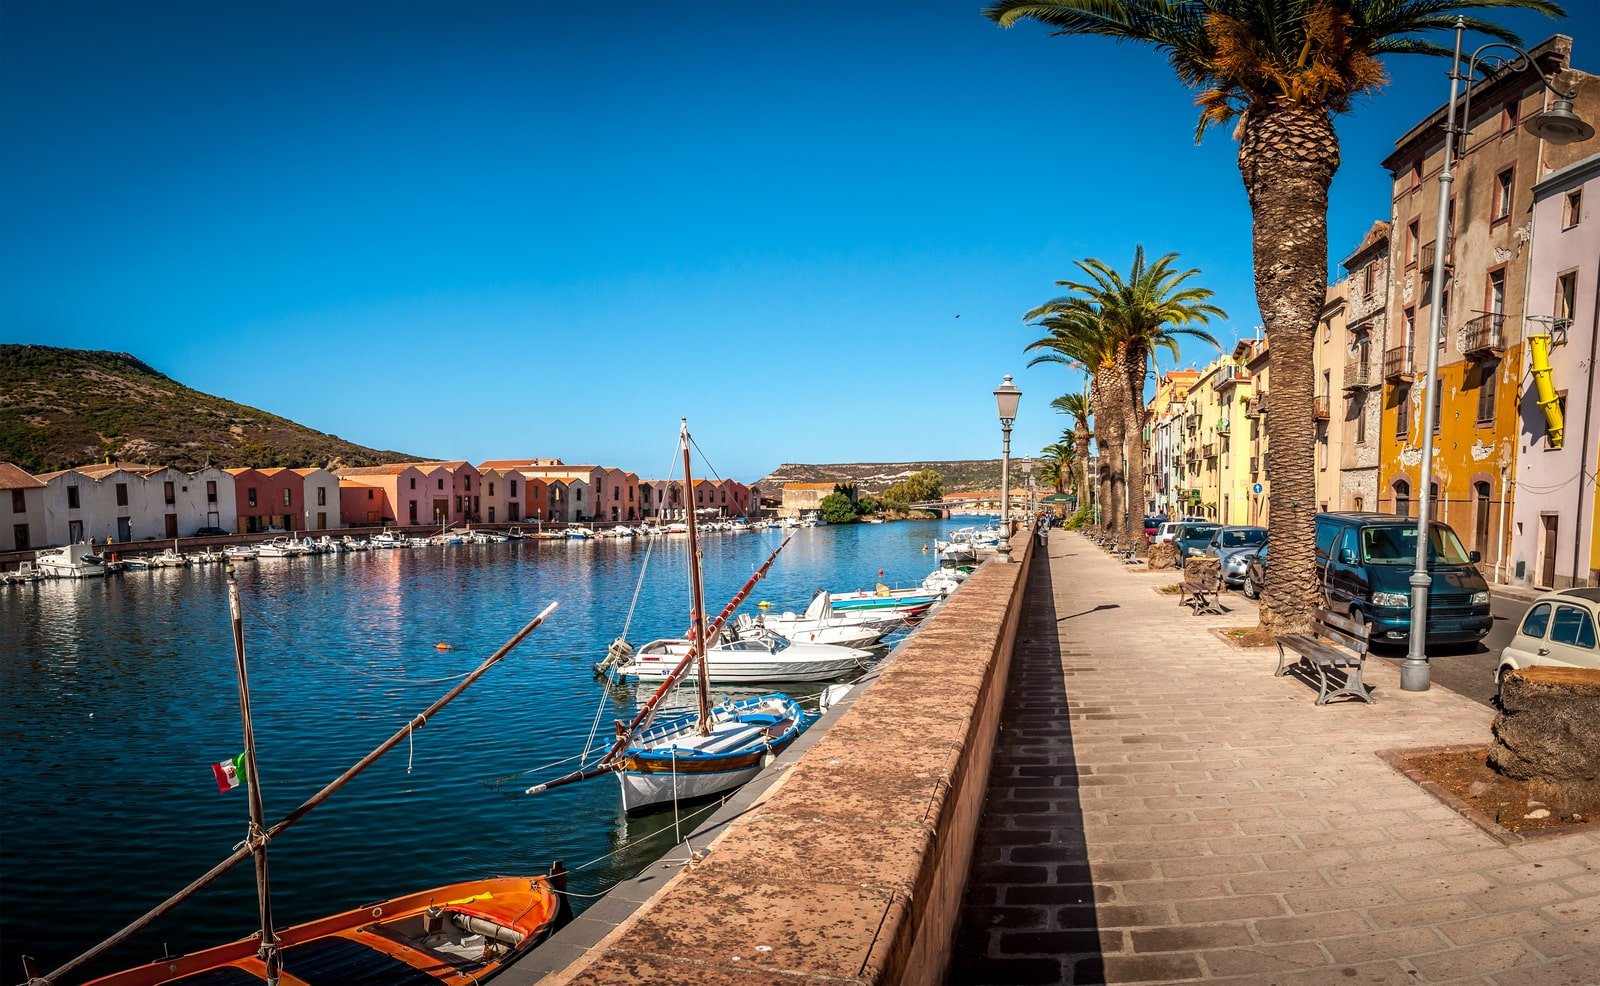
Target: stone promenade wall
(852, 868)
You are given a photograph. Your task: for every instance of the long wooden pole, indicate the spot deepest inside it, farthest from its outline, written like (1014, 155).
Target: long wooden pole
(248, 847)
(697, 618)
(268, 952)
(612, 758)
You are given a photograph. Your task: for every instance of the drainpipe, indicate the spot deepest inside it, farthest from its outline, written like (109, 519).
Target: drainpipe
(1588, 417)
(1500, 538)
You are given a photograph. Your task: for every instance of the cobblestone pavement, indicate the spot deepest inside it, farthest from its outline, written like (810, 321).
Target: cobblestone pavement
(1163, 809)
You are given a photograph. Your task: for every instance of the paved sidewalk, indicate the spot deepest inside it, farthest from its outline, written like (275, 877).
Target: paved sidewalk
(1196, 819)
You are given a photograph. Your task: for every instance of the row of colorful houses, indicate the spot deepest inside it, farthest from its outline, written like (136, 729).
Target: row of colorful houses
(124, 501)
(1516, 442)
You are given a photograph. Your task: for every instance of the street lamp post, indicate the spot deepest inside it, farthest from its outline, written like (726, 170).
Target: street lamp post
(1006, 397)
(1558, 125)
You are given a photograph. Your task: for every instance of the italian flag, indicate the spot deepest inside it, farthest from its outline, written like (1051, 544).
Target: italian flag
(230, 773)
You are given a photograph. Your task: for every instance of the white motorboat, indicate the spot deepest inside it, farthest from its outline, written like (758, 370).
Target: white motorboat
(353, 543)
(74, 561)
(840, 635)
(169, 558)
(621, 531)
(762, 657)
(239, 552)
(280, 547)
(820, 614)
(25, 572)
(579, 533)
(387, 539)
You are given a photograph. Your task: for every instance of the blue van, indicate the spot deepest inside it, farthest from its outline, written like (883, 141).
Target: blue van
(1364, 563)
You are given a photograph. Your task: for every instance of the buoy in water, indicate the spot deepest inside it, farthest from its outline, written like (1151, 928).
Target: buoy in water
(763, 604)
(441, 645)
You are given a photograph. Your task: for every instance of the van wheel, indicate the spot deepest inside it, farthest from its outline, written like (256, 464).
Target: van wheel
(1250, 590)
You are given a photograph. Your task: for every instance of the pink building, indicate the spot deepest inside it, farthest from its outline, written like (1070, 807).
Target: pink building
(269, 498)
(364, 504)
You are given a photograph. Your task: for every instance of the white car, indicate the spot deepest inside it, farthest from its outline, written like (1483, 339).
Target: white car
(1559, 629)
(1168, 529)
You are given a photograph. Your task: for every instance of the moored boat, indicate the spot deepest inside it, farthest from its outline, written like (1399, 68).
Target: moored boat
(459, 934)
(73, 561)
(760, 656)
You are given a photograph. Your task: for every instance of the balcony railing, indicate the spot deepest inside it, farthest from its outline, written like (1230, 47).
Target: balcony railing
(1255, 465)
(1257, 406)
(1210, 450)
(1397, 363)
(1321, 408)
(1484, 336)
(1429, 249)
(1360, 376)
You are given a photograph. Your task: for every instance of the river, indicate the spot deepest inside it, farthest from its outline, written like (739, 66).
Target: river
(119, 693)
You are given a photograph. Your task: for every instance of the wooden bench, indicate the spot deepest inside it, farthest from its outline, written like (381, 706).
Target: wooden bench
(1199, 598)
(1322, 658)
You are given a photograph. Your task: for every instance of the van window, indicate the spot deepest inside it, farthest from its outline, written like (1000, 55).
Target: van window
(1572, 626)
(1537, 621)
(1326, 532)
(1398, 546)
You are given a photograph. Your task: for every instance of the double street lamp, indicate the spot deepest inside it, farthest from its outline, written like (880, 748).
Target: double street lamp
(1006, 397)
(1558, 125)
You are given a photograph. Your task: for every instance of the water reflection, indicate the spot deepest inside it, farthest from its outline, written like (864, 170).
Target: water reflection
(117, 694)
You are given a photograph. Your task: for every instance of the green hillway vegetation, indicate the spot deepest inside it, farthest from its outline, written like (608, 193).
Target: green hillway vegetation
(61, 408)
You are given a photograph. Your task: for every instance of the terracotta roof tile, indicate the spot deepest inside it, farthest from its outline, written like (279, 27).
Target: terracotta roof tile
(14, 478)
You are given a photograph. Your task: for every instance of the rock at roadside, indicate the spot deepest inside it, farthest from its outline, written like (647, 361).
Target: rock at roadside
(1549, 726)
(1202, 571)
(1163, 555)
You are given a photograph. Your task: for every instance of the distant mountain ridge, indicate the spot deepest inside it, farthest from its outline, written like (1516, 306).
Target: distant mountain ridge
(959, 475)
(61, 408)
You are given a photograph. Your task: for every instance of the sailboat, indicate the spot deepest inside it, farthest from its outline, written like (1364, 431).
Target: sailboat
(705, 752)
(460, 934)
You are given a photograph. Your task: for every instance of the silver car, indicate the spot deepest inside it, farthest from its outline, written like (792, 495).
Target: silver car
(1233, 546)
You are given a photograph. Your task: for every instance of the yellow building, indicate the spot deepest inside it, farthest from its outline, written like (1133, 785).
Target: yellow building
(1217, 422)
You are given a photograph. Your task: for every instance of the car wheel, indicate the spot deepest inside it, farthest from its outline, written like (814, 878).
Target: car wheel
(1499, 685)
(1250, 590)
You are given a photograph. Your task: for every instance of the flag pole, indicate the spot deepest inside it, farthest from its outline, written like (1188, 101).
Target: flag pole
(268, 952)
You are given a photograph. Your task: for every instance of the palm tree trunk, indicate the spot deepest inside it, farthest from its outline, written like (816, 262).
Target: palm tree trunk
(1133, 372)
(1080, 442)
(1287, 157)
(1111, 463)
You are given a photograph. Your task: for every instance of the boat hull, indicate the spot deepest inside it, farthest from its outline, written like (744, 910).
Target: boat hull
(670, 763)
(486, 925)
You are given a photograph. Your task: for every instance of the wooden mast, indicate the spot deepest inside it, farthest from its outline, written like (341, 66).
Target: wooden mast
(697, 617)
(268, 952)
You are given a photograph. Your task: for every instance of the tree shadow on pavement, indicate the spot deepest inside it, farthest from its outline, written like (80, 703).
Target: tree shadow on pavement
(1028, 915)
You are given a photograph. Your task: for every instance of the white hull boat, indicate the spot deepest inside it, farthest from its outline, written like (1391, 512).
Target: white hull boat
(760, 658)
(670, 761)
(75, 561)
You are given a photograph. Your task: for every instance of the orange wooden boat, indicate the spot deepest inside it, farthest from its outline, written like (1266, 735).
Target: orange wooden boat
(458, 934)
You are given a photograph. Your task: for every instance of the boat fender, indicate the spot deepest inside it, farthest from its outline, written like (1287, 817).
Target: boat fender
(472, 924)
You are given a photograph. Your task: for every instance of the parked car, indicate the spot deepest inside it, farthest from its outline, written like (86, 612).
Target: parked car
(1255, 572)
(1230, 545)
(1170, 528)
(1152, 524)
(1192, 539)
(1364, 563)
(1559, 629)
(210, 532)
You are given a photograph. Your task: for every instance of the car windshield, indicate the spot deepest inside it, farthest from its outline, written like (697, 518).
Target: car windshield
(1241, 539)
(1398, 546)
(1201, 531)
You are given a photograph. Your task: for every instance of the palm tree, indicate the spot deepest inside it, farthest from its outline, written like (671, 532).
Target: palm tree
(1057, 465)
(1283, 69)
(1075, 339)
(1077, 405)
(1139, 315)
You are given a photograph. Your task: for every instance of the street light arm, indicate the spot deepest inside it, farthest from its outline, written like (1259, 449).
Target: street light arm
(1522, 60)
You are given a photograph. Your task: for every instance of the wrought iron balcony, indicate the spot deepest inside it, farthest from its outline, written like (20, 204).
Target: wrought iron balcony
(1257, 406)
(1484, 336)
(1360, 376)
(1321, 408)
(1397, 363)
(1429, 249)
(1210, 450)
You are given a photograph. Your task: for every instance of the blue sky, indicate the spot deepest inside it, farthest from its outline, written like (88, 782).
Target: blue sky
(479, 230)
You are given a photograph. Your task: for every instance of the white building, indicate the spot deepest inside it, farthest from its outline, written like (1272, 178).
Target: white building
(22, 503)
(125, 501)
(321, 499)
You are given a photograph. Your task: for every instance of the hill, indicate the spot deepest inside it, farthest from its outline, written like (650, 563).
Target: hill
(960, 475)
(70, 407)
